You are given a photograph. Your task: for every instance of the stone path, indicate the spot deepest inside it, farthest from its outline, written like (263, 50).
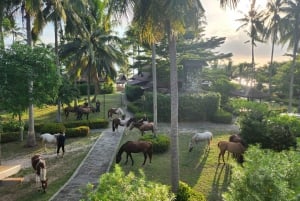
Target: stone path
(97, 162)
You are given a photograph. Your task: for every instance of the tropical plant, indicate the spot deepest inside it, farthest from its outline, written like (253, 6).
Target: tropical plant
(291, 35)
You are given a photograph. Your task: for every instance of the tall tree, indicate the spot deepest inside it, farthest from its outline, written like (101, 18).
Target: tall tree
(273, 18)
(291, 27)
(253, 23)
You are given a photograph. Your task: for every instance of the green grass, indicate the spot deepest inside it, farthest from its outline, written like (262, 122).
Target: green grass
(197, 168)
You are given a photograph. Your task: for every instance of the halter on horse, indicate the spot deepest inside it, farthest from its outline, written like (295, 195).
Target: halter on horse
(117, 111)
(39, 165)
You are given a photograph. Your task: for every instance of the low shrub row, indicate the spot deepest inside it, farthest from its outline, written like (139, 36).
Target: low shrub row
(161, 142)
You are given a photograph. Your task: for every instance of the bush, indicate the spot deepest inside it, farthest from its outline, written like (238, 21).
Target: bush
(222, 116)
(11, 126)
(93, 124)
(81, 131)
(52, 128)
(133, 92)
(266, 175)
(118, 187)
(186, 193)
(161, 143)
(10, 137)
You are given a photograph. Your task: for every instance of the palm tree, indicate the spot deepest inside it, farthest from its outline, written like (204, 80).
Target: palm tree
(291, 23)
(273, 32)
(253, 21)
(93, 50)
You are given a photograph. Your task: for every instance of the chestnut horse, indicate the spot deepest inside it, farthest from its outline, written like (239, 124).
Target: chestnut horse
(39, 165)
(135, 147)
(235, 148)
(143, 127)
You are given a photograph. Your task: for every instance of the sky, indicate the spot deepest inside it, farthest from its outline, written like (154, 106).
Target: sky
(222, 23)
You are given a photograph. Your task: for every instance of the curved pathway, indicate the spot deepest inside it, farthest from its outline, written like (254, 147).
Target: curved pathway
(97, 162)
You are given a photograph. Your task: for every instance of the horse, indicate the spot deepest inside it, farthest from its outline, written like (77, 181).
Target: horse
(117, 111)
(143, 127)
(198, 137)
(61, 138)
(135, 147)
(116, 122)
(69, 109)
(39, 165)
(236, 138)
(85, 110)
(235, 148)
(48, 138)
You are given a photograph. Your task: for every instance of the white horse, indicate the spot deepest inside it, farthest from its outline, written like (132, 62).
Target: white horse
(198, 137)
(48, 138)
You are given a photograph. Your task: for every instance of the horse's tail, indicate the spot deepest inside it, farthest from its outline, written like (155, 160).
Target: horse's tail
(113, 126)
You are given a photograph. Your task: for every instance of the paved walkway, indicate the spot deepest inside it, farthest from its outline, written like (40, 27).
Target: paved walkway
(97, 162)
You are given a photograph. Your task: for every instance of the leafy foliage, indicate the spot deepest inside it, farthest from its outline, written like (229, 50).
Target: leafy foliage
(161, 143)
(118, 187)
(266, 175)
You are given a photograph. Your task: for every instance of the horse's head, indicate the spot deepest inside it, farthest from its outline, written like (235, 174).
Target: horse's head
(118, 158)
(44, 184)
(190, 146)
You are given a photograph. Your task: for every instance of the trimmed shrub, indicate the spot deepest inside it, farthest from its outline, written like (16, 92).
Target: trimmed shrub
(222, 116)
(93, 124)
(186, 193)
(10, 137)
(10, 126)
(133, 92)
(81, 131)
(161, 142)
(52, 128)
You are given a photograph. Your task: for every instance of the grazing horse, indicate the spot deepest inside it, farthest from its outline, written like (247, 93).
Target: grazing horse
(116, 122)
(117, 111)
(235, 148)
(200, 137)
(61, 138)
(143, 127)
(85, 110)
(39, 165)
(236, 138)
(69, 109)
(48, 138)
(135, 147)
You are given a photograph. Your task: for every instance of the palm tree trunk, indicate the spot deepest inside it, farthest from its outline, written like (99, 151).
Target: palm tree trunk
(271, 65)
(292, 70)
(174, 110)
(31, 133)
(154, 86)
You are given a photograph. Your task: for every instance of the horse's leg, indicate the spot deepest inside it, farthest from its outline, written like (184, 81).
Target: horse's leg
(127, 154)
(131, 158)
(145, 157)
(150, 156)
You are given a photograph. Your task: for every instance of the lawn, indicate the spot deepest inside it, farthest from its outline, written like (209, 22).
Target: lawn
(198, 168)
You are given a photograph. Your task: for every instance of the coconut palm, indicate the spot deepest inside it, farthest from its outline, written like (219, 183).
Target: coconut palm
(273, 32)
(93, 50)
(291, 27)
(253, 22)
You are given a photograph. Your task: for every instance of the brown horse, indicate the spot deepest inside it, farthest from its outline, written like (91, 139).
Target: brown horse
(135, 147)
(84, 110)
(143, 127)
(235, 148)
(39, 165)
(236, 138)
(117, 111)
(116, 122)
(69, 109)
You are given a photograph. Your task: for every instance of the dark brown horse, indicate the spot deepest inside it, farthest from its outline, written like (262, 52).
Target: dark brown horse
(84, 110)
(116, 122)
(39, 165)
(143, 127)
(69, 109)
(135, 147)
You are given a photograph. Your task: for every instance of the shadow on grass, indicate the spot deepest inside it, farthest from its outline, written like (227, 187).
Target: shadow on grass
(220, 182)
